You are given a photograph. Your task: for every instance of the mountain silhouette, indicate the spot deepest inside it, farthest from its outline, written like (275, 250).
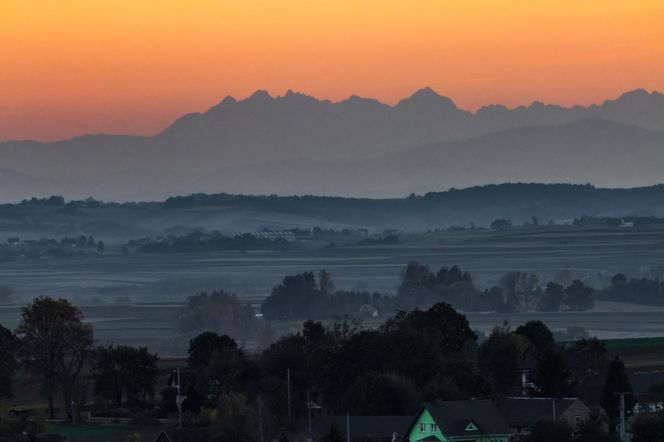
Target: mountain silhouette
(275, 143)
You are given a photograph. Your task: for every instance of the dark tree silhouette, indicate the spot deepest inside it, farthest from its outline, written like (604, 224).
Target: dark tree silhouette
(297, 296)
(552, 377)
(616, 381)
(8, 349)
(578, 296)
(55, 345)
(125, 372)
(552, 298)
(500, 356)
(540, 338)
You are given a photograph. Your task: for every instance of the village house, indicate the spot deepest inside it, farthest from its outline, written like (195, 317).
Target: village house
(521, 413)
(451, 421)
(463, 421)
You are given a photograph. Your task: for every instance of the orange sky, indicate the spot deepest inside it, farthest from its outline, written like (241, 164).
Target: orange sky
(69, 67)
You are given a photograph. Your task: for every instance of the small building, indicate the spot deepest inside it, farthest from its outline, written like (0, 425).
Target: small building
(450, 421)
(368, 310)
(521, 413)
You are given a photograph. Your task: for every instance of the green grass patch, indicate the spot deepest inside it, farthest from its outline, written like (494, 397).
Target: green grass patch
(625, 344)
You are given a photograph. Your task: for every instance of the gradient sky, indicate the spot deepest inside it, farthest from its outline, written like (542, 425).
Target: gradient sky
(69, 67)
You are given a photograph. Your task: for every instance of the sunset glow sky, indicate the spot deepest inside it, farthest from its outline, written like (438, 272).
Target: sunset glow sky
(69, 67)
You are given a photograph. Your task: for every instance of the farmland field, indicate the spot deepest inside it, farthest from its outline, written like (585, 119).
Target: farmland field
(153, 286)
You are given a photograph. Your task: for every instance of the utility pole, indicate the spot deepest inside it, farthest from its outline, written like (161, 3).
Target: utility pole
(309, 409)
(347, 427)
(311, 406)
(553, 403)
(179, 399)
(623, 411)
(260, 417)
(288, 392)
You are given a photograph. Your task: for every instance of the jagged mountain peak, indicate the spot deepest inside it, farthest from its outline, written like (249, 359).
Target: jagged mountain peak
(428, 98)
(259, 96)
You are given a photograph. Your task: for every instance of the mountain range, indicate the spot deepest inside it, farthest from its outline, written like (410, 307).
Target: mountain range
(296, 144)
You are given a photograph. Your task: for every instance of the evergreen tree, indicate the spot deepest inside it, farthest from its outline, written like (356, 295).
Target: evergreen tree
(616, 382)
(552, 377)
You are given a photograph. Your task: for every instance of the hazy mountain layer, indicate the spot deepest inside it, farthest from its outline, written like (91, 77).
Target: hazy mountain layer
(238, 213)
(298, 144)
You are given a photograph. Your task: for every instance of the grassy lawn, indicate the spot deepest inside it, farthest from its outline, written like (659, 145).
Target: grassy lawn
(624, 344)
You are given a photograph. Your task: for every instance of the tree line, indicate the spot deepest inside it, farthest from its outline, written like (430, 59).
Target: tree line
(209, 242)
(234, 395)
(301, 296)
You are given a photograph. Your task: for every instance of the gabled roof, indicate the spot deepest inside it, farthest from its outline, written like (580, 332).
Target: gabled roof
(525, 412)
(453, 417)
(374, 426)
(163, 437)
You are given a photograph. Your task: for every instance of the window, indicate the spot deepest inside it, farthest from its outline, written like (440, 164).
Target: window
(577, 419)
(434, 428)
(423, 428)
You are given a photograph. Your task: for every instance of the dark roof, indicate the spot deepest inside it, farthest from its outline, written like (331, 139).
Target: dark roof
(452, 417)
(163, 437)
(524, 412)
(374, 426)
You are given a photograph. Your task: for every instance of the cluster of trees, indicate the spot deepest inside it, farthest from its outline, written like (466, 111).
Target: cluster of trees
(637, 291)
(231, 395)
(516, 292)
(613, 222)
(416, 356)
(506, 223)
(51, 247)
(210, 242)
(124, 375)
(379, 240)
(301, 297)
(54, 346)
(222, 313)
